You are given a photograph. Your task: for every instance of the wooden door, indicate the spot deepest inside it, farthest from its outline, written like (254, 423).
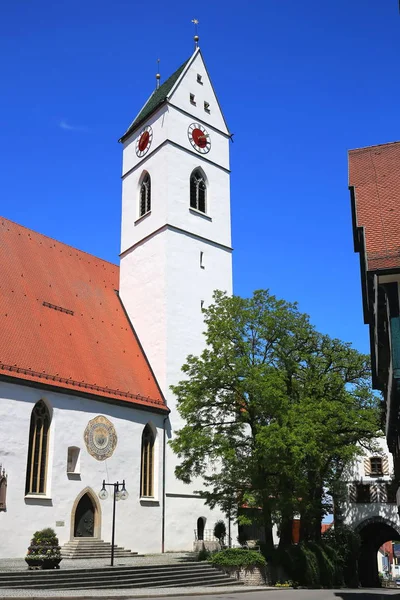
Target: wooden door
(84, 517)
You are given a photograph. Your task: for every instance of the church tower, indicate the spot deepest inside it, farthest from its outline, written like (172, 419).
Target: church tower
(176, 245)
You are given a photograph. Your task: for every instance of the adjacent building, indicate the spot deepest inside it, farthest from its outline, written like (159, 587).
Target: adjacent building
(374, 180)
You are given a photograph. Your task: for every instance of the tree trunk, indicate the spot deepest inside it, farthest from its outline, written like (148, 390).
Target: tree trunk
(286, 531)
(269, 541)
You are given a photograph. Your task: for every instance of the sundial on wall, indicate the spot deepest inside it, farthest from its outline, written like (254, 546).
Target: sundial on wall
(100, 438)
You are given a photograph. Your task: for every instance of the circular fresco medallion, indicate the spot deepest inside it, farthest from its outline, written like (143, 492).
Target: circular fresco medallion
(100, 438)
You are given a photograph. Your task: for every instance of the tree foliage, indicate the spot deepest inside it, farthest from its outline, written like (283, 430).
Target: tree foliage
(274, 411)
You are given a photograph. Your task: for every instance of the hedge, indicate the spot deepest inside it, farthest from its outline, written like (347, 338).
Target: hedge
(238, 557)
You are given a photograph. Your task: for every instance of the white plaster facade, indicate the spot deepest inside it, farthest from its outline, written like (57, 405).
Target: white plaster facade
(163, 287)
(173, 258)
(357, 513)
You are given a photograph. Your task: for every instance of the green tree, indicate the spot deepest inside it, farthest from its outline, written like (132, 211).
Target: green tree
(273, 409)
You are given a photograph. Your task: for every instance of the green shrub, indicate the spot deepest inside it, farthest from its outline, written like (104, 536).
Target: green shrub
(326, 565)
(203, 554)
(238, 557)
(300, 565)
(220, 531)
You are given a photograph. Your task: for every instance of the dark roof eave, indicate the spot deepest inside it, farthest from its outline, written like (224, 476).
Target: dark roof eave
(138, 124)
(81, 393)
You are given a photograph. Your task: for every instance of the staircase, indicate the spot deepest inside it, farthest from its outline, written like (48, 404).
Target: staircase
(92, 548)
(154, 576)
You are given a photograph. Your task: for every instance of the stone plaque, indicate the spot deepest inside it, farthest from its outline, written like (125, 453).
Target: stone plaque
(60, 523)
(100, 438)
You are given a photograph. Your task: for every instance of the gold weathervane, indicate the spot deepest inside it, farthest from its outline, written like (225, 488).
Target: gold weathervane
(196, 37)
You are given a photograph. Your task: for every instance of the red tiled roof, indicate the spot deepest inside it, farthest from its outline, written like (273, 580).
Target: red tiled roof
(62, 322)
(375, 174)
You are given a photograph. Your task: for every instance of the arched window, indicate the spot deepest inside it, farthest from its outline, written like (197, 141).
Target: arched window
(3, 489)
(147, 466)
(36, 470)
(198, 191)
(145, 195)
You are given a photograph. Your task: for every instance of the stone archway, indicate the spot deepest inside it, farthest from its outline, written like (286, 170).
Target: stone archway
(86, 516)
(374, 532)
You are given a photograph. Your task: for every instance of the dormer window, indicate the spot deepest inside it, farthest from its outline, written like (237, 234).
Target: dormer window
(192, 99)
(199, 78)
(145, 195)
(198, 191)
(207, 107)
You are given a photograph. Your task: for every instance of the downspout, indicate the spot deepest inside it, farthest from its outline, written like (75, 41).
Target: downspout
(163, 488)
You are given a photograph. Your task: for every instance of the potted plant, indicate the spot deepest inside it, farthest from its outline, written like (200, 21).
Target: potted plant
(44, 551)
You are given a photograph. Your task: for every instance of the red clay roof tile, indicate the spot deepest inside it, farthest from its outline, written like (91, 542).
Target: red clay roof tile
(62, 322)
(375, 174)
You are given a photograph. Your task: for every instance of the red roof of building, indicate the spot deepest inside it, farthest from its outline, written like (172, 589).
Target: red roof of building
(62, 322)
(374, 172)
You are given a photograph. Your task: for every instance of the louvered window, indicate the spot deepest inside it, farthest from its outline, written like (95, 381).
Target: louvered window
(36, 471)
(147, 466)
(198, 191)
(145, 195)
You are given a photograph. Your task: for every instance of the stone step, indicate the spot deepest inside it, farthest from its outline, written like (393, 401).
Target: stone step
(179, 575)
(92, 548)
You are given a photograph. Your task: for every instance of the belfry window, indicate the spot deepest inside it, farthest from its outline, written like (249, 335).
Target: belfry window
(147, 466)
(36, 470)
(198, 191)
(145, 196)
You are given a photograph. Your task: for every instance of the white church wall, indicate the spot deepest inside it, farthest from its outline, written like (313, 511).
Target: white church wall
(138, 523)
(203, 92)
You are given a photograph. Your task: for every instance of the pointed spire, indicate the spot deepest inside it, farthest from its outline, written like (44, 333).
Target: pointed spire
(196, 37)
(158, 76)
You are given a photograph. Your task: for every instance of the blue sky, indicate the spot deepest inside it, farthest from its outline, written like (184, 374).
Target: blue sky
(299, 82)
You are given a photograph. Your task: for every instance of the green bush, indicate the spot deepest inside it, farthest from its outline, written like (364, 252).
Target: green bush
(203, 554)
(238, 557)
(326, 565)
(300, 565)
(220, 531)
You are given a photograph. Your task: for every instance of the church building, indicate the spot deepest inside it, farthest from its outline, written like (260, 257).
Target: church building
(89, 349)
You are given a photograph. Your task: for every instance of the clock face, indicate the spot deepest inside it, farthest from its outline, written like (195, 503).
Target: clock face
(143, 141)
(199, 138)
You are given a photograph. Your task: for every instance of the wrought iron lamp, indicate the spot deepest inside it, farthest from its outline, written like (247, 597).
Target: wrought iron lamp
(119, 493)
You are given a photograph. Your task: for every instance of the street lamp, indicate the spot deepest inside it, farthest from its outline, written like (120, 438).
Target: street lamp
(119, 493)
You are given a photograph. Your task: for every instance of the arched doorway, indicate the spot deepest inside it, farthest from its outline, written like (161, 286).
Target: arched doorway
(200, 528)
(84, 517)
(374, 532)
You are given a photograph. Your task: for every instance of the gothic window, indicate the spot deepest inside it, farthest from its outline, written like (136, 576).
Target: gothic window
(147, 466)
(36, 470)
(3, 489)
(198, 191)
(145, 195)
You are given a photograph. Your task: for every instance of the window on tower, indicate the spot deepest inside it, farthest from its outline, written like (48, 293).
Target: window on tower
(145, 195)
(198, 191)
(36, 471)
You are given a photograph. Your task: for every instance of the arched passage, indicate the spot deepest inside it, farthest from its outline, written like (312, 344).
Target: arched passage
(374, 532)
(200, 528)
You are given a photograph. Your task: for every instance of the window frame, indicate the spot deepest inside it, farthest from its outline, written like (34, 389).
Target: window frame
(147, 463)
(145, 201)
(376, 471)
(198, 183)
(37, 460)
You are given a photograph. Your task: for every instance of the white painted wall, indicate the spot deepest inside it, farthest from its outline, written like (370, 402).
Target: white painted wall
(355, 513)
(138, 525)
(162, 284)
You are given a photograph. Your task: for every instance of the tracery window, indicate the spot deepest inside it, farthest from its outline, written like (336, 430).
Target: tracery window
(36, 471)
(145, 195)
(198, 191)
(147, 466)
